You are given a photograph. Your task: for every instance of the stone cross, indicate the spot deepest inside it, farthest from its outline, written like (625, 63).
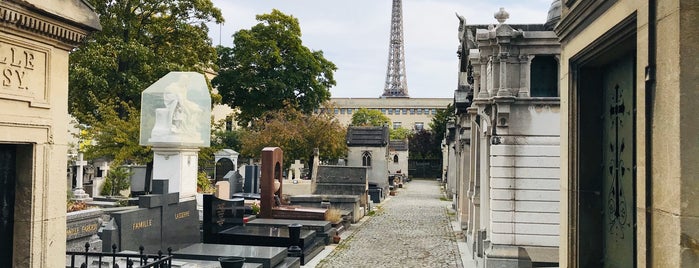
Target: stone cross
(295, 168)
(104, 168)
(78, 192)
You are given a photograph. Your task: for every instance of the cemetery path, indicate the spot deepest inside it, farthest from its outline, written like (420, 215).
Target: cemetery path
(411, 229)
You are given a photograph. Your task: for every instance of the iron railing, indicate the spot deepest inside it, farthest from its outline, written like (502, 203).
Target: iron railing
(141, 260)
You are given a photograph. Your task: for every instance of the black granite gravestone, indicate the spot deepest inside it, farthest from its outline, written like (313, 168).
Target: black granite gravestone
(252, 179)
(139, 227)
(219, 215)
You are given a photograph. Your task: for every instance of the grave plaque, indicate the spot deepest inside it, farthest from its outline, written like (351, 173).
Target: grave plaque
(180, 225)
(252, 179)
(220, 215)
(139, 227)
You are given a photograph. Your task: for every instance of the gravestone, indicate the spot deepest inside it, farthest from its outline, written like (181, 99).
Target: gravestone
(175, 120)
(138, 180)
(81, 228)
(219, 215)
(78, 192)
(160, 221)
(223, 167)
(223, 190)
(271, 175)
(235, 181)
(295, 170)
(252, 179)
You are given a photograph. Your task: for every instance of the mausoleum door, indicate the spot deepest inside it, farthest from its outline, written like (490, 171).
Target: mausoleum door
(8, 177)
(618, 156)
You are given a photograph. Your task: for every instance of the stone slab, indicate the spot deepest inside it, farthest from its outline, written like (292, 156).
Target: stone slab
(300, 213)
(267, 256)
(139, 227)
(263, 236)
(180, 225)
(307, 224)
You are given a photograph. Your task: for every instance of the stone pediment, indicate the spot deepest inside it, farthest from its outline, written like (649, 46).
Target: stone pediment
(77, 11)
(68, 21)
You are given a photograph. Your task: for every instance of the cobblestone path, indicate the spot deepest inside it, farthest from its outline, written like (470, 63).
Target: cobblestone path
(412, 229)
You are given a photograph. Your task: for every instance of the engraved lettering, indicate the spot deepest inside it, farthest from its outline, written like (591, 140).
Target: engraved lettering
(6, 75)
(89, 228)
(15, 62)
(142, 224)
(20, 79)
(29, 59)
(72, 231)
(182, 215)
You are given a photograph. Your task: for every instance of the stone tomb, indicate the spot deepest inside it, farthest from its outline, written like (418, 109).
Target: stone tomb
(270, 193)
(267, 256)
(160, 221)
(323, 229)
(81, 228)
(223, 224)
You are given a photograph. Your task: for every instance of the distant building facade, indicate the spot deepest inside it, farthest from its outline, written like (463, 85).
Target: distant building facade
(409, 113)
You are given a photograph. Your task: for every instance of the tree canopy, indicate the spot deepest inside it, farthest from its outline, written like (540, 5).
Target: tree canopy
(365, 117)
(439, 121)
(140, 41)
(268, 67)
(297, 134)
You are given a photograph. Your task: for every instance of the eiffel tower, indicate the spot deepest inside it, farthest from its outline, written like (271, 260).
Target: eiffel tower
(396, 82)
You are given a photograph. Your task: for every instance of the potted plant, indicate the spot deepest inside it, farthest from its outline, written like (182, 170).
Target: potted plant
(231, 262)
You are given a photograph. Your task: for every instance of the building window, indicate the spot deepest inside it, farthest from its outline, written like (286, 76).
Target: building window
(366, 159)
(390, 111)
(383, 110)
(395, 159)
(229, 123)
(405, 111)
(434, 111)
(397, 111)
(337, 111)
(419, 111)
(427, 111)
(544, 70)
(396, 125)
(419, 126)
(349, 110)
(412, 110)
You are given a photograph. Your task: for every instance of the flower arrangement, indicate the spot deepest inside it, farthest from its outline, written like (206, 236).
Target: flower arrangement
(255, 207)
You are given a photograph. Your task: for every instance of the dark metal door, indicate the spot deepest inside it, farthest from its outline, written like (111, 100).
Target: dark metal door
(7, 202)
(618, 179)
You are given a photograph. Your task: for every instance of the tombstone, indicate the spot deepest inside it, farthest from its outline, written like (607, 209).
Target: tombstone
(235, 181)
(78, 192)
(252, 179)
(138, 180)
(271, 171)
(226, 160)
(223, 167)
(295, 170)
(175, 120)
(223, 190)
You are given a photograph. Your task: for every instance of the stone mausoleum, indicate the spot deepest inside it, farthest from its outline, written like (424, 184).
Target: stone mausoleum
(35, 39)
(504, 146)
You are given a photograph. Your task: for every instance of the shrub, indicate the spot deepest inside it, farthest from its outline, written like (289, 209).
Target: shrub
(333, 215)
(117, 180)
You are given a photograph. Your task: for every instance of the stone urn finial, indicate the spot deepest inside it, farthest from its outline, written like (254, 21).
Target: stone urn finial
(501, 15)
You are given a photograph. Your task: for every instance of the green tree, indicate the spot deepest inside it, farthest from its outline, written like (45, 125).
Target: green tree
(114, 137)
(297, 134)
(400, 133)
(268, 67)
(424, 145)
(140, 41)
(439, 121)
(365, 117)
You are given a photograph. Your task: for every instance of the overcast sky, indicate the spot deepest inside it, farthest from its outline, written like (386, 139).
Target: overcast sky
(355, 34)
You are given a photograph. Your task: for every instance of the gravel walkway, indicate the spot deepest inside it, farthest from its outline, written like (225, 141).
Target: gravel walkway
(411, 229)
